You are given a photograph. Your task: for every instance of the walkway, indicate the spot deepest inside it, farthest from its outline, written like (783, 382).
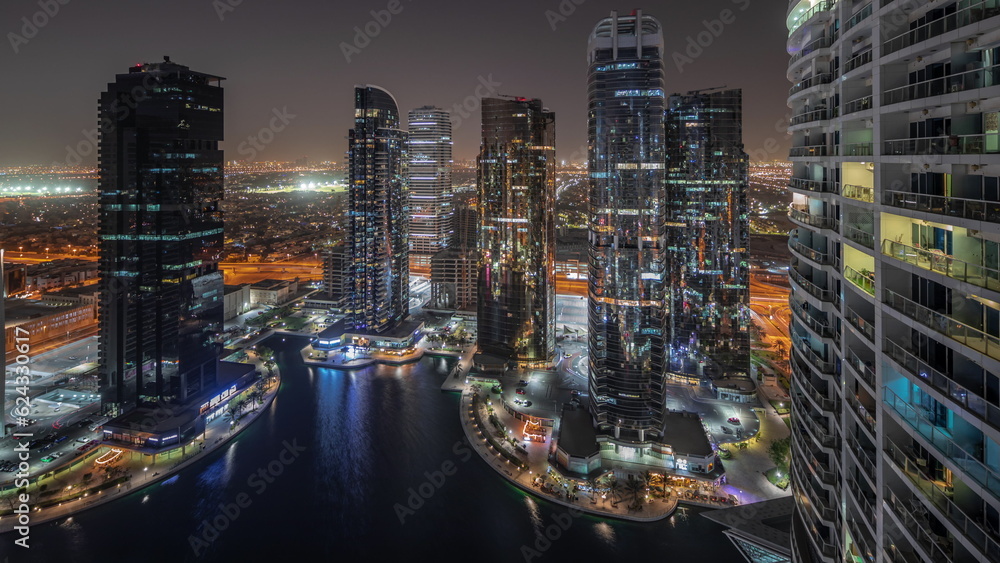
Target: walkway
(141, 473)
(537, 464)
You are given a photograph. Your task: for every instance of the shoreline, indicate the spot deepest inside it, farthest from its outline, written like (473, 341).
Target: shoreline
(73, 507)
(465, 404)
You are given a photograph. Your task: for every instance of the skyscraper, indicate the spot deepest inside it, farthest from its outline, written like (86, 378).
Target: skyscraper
(160, 233)
(708, 235)
(429, 177)
(895, 267)
(517, 234)
(627, 260)
(378, 291)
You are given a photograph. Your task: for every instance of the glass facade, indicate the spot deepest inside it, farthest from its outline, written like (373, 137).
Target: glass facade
(160, 232)
(378, 289)
(627, 261)
(516, 309)
(429, 177)
(708, 235)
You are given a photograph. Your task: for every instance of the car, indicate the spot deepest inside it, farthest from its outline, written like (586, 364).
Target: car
(46, 447)
(527, 403)
(47, 459)
(60, 439)
(57, 455)
(566, 354)
(72, 358)
(575, 392)
(733, 420)
(522, 382)
(520, 391)
(81, 440)
(517, 401)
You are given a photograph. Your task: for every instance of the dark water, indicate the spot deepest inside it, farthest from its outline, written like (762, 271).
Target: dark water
(369, 437)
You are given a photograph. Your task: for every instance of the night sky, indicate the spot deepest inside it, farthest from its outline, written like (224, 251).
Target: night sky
(287, 55)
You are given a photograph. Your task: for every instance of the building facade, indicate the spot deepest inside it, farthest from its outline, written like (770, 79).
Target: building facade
(429, 175)
(378, 289)
(516, 172)
(160, 232)
(708, 235)
(895, 262)
(627, 260)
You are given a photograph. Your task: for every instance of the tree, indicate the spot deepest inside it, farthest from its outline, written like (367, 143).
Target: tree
(636, 490)
(615, 488)
(778, 451)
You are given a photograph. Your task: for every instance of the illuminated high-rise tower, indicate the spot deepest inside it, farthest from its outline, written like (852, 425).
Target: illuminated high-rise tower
(429, 176)
(517, 230)
(708, 235)
(627, 268)
(377, 291)
(160, 232)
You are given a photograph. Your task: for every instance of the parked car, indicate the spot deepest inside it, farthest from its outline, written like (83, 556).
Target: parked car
(520, 392)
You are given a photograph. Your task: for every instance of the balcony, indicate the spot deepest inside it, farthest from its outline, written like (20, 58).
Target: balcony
(967, 15)
(859, 193)
(801, 19)
(967, 400)
(802, 215)
(858, 17)
(821, 329)
(821, 402)
(864, 327)
(812, 289)
(862, 551)
(856, 149)
(959, 332)
(803, 85)
(954, 145)
(973, 209)
(820, 505)
(814, 46)
(814, 255)
(810, 151)
(812, 357)
(940, 496)
(865, 458)
(857, 105)
(939, 438)
(858, 61)
(863, 414)
(864, 280)
(859, 236)
(811, 116)
(806, 453)
(953, 83)
(818, 186)
(919, 527)
(936, 261)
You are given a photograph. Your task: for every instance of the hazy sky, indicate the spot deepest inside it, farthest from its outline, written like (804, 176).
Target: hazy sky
(288, 56)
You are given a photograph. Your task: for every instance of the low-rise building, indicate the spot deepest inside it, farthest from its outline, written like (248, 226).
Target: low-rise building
(44, 324)
(236, 301)
(48, 276)
(273, 292)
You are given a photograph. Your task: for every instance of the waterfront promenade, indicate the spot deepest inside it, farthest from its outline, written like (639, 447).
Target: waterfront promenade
(537, 465)
(142, 473)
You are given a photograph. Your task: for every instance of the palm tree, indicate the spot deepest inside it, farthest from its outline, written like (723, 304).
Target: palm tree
(636, 491)
(230, 417)
(615, 488)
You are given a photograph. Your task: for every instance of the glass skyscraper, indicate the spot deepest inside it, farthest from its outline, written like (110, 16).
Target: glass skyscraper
(516, 309)
(708, 235)
(378, 288)
(627, 261)
(160, 233)
(429, 177)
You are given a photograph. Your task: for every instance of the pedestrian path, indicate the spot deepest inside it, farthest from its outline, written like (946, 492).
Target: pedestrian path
(142, 473)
